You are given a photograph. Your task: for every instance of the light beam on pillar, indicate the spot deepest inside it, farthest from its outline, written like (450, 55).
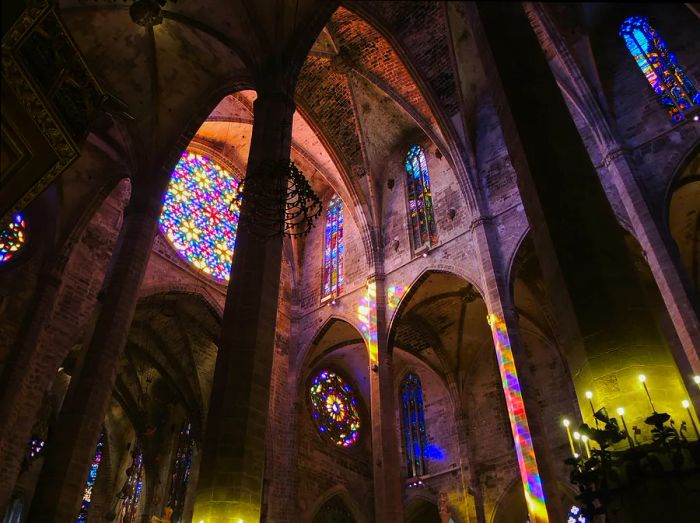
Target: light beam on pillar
(532, 484)
(367, 314)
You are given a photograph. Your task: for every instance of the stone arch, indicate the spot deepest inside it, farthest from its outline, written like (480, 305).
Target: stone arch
(422, 510)
(409, 291)
(198, 291)
(338, 492)
(511, 506)
(681, 214)
(304, 356)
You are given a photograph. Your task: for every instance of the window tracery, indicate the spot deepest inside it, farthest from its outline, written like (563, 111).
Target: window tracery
(334, 249)
(660, 67)
(133, 486)
(12, 238)
(420, 203)
(180, 474)
(334, 408)
(413, 419)
(200, 214)
(92, 477)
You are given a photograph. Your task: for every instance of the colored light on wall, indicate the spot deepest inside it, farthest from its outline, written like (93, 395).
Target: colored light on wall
(12, 238)
(367, 316)
(200, 214)
(394, 295)
(660, 67)
(92, 477)
(334, 409)
(530, 476)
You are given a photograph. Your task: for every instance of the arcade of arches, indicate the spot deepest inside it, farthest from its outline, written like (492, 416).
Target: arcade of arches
(508, 237)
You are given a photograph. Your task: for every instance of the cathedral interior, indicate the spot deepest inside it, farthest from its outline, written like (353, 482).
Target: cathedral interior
(317, 261)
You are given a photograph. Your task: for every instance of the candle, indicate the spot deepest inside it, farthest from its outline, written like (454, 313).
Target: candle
(643, 379)
(584, 438)
(686, 406)
(568, 433)
(696, 379)
(589, 396)
(577, 437)
(621, 413)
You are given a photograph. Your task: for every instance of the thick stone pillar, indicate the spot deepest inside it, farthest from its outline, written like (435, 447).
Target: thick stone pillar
(72, 443)
(233, 460)
(386, 459)
(576, 234)
(533, 449)
(24, 382)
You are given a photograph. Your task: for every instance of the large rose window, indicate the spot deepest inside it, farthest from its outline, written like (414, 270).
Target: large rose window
(334, 409)
(198, 216)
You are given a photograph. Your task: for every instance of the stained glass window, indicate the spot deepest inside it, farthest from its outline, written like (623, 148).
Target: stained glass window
(334, 250)
(92, 477)
(200, 214)
(131, 491)
(334, 409)
(180, 472)
(675, 90)
(12, 238)
(413, 420)
(420, 203)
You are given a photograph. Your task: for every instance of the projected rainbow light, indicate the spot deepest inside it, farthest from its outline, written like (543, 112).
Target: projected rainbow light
(367, 315)
(518, 421)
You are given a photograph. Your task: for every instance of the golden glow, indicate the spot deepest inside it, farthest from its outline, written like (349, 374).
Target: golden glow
(620, 411)
(566, 422)
(589, 394)
(696, 379)
(642, 378)
(685, 404)
(577, 436)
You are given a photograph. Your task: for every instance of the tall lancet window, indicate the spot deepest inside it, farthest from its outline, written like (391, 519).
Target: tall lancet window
(92, 477)
(413, 420)
(180, 475)
(334, 250)
(675, 90)
(420, 203)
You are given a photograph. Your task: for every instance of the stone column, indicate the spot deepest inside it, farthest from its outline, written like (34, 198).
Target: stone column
(533, 449)
(578, 240)
(386, 459)
(72, 444)
(233, 459)
(24, 383)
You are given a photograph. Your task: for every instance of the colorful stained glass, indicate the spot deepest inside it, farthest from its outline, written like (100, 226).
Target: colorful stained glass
(180, 472)
(420, 202)
(413, 420)
(92, 477)
(12, 238)
(200, 214)
(334, 250)
(133, 486)
(334, 409)
(675, 90)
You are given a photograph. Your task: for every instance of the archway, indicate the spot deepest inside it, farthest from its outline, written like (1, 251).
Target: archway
(511, 507)
(334, 511)
(422, 511)
(684, 216)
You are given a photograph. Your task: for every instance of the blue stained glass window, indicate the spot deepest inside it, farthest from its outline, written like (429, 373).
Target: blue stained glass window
(413, 420)
(131, 492)
(181, 472)
(420, 203)
(660, 67)
(334, 250)
(92, 477)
